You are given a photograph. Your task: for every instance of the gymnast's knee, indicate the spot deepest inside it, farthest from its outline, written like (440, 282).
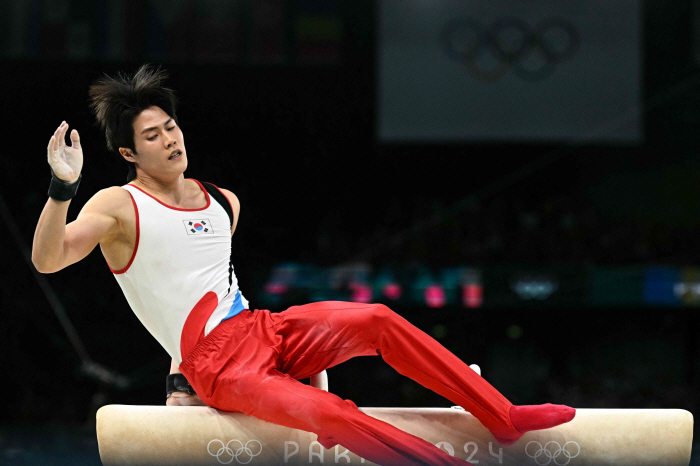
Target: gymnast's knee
(370, 321)
(381, 315)
(373, 313)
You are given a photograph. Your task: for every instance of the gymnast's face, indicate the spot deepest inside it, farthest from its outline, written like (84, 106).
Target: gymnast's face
(156, 138)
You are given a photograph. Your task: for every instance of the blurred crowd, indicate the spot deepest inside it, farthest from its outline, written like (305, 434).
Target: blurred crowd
(506, 229)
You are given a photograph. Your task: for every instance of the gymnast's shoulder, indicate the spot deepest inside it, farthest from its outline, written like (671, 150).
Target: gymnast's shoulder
(107, 199)
(232, 198)
(235, 206)
(110, 201)
(112, 208)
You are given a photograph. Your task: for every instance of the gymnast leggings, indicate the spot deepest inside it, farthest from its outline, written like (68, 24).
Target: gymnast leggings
(253, 363)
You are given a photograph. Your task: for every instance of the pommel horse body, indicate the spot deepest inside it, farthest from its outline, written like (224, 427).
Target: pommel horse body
(160, 435)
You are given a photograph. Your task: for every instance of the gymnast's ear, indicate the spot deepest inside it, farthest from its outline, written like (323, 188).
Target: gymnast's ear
(127, 154)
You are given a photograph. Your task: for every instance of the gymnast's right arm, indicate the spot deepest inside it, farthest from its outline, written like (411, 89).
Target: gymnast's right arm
(57, 245)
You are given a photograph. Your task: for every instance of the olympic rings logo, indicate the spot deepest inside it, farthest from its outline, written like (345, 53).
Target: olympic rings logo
(229, 454)
(544, 455)
(532, 53)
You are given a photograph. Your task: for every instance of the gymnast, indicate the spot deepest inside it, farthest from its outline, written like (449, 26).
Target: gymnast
(167, 240)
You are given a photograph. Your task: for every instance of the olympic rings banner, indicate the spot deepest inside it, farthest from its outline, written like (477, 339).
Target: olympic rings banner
(513, 70)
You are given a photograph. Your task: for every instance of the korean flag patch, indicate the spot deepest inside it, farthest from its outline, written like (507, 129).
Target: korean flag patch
(198, 227)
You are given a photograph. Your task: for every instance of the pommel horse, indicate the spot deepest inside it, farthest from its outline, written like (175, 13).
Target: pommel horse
(162, 435)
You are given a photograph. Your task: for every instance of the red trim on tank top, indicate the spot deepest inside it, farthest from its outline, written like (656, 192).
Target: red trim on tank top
(177, 208)
(233, 212)
(136, 244)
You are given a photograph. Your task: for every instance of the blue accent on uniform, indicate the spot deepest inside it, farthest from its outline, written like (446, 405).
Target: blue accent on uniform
(236, 307)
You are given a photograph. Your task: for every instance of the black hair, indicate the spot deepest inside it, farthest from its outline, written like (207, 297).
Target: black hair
(117, 101)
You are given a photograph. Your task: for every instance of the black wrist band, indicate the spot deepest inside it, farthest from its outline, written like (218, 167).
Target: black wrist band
(177, 383)
(62, 190)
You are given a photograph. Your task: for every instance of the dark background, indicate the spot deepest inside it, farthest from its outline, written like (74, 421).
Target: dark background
(296, 142)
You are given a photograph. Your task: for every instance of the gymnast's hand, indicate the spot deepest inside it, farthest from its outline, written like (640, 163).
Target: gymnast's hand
(65, 161)
(184, 399)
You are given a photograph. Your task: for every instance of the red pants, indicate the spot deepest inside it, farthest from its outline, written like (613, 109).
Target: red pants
(252, 363)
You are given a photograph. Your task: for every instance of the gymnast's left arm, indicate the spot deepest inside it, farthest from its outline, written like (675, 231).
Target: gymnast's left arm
(235, 205)
(182, 398)
(319, 380)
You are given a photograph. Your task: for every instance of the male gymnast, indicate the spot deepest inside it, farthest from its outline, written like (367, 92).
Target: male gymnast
(167, 240)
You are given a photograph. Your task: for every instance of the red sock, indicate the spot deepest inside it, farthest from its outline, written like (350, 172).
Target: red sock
(537, 417)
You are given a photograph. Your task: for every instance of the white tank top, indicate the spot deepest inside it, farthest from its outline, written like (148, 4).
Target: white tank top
(180, 255)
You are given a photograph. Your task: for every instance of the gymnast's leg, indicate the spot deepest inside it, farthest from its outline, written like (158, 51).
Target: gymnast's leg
(234, 368)
(320, 335)
(281, 399)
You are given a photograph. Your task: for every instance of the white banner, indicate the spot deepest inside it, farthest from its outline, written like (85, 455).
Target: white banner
(511, 70)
